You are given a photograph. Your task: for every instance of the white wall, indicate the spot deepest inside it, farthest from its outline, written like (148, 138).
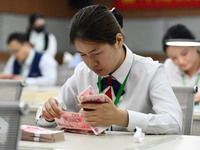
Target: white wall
(142, 35)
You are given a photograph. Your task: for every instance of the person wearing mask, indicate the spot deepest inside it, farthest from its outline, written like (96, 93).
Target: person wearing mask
(145, 98)
(40, 39)
(26, 63)
(183, 64)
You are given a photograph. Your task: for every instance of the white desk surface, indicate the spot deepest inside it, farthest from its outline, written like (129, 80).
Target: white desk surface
(117, 141)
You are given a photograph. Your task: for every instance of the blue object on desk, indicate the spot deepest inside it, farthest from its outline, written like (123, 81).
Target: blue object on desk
(75, 61)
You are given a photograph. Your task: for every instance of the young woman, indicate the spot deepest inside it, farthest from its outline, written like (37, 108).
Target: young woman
(147, 101)
(40, 39)
(183, 64)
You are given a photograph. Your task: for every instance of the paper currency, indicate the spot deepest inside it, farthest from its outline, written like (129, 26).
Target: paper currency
(38, 134)
(71, 120)
(74, 122)
(89, 96)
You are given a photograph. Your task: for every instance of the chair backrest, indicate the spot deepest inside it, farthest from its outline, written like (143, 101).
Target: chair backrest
(185, 96)
(10, 120)
(63, 73)
(11, 89)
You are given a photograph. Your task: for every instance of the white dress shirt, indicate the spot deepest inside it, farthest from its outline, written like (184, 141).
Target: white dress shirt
(47, 65)
(38, 40)
(149, 99)
(174, 74)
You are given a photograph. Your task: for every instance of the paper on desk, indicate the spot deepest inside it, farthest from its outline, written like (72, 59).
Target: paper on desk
(37, 96)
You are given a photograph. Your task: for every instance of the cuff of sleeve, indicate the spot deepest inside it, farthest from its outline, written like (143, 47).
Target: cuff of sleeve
(31, 81)
(137, 119)
(43, 122)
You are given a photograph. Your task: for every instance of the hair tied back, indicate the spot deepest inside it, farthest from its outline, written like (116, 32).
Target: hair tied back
(118, 16)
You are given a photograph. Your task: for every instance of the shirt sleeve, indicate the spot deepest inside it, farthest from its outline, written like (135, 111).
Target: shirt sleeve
(8, 69)
(167, 115)
(68, 101)
(52, 45)
(48, 68)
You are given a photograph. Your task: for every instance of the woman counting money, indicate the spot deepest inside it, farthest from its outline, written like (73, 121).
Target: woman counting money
(137, 90)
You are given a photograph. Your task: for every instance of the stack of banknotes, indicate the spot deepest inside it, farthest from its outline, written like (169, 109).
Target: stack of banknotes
(38, 134)
(74, 122)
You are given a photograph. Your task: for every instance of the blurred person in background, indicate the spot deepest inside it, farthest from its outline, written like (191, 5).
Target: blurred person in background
(183, 64)
(39, 38)
(76, 59)
(28, 64)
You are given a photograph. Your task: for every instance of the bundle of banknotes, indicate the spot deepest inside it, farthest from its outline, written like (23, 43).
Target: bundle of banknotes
(38, 134)
(74, 122)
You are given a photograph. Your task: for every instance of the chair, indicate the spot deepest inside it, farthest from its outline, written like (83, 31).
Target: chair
(10, 121)
(185, 96)
(11, 89)
(63, 73)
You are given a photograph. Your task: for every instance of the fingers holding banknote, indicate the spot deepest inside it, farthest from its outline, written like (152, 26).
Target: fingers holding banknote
(104, 114)
(51, 109)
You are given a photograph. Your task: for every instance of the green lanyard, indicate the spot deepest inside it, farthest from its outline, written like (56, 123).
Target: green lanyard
(120, 89)
(21, 71)
(196, 83)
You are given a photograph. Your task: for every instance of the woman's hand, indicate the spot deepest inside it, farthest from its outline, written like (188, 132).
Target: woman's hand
(51, 109)
(197, 97)
(104, 114)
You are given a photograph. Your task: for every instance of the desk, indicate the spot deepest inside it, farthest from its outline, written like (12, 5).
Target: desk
(35, 97)
(117, 141)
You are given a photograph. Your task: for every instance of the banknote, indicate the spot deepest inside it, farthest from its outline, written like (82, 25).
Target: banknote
(71, 120)
(74, 122)
(96, 98)
(38, 134)
(89, 96)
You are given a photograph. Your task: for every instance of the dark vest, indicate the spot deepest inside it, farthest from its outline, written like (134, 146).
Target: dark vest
(34, 70)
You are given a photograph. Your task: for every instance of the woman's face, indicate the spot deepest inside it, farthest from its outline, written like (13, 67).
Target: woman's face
(101, 58)
(185, 57)
(39, 22)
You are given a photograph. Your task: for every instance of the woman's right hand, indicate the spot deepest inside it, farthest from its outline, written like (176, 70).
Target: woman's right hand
(51, 109)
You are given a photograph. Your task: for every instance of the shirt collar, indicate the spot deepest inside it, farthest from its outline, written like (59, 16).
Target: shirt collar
(29, 60)
(121, 73)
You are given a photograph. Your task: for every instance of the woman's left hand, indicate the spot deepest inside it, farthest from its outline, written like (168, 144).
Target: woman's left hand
(103, 114)
(197, 97)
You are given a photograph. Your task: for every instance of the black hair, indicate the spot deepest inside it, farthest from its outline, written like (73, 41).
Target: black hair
(95, 23)
(20, 37)
(178, 31)
(34, 17)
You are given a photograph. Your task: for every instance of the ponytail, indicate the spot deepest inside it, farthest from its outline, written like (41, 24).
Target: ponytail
(118, 16)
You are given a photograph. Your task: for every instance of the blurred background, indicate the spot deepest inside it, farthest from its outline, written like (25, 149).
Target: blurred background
(145, 21)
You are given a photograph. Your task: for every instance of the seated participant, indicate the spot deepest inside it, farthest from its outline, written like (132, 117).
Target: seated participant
(183, 64)
(40, 39)
(25, 63)
(148, 100)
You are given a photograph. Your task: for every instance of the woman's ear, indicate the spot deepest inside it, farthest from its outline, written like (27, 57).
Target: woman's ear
(119, 40)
